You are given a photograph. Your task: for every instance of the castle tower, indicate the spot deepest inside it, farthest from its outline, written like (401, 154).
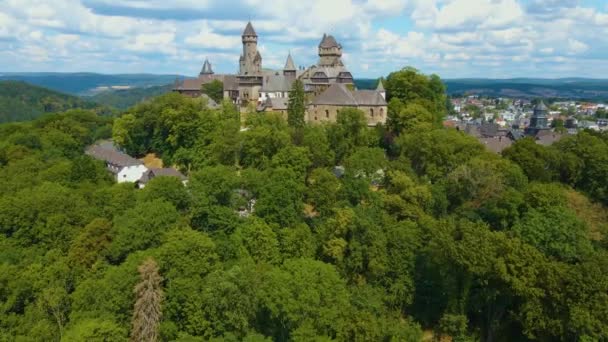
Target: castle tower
(290, 67)
(329, 51)
(251, 60)
(207, 70)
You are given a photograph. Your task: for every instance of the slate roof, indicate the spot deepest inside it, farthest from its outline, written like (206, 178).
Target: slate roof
(164, 172)
(496, 144)
(231, 82)
(328, 41)
(289, 64)
(273, 83)
(489, 129)
(249, 31)
(329, 71)
(339, 95)
(196, 83)
(369, 98)
(541, 106)
(207, 68)
(547, 138)
(380, 86)
(112, 156)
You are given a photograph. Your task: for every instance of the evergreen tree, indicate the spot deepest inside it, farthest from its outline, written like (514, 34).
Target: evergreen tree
(296, 105)
(147, 311)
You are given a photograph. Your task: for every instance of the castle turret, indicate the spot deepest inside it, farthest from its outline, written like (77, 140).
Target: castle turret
(329, 51)
(380, 89)
(251, 60)
(206, 70)
(290, 67)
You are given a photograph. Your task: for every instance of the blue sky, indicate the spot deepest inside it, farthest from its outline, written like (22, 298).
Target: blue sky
(453, 38)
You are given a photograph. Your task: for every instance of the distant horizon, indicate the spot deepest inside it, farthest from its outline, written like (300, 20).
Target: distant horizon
(360, 78)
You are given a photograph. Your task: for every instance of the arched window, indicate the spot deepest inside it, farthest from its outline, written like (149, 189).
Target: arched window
(381, 112)
(371, 111)
(327, 113)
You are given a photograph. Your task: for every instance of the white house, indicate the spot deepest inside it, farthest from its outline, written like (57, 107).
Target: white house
(124, 167)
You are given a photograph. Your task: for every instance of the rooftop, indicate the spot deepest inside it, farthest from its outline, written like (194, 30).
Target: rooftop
(112, 156)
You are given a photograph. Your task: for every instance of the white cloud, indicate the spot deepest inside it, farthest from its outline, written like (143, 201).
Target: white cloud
(576, 47)
(482, 13)
(451, 37)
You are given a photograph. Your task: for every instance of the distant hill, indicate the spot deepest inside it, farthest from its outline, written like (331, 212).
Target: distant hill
(566, 88)
(20, 101)
(88, 83)
(123, 99)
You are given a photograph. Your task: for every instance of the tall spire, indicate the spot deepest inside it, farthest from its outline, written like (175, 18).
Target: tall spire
(207, 70)
(289, 64)
(380, 86)
(249, 31)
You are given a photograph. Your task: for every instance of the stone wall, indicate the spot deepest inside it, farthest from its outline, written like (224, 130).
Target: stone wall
(329, 113)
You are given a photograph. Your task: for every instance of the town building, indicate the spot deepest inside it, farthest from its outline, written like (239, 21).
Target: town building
(539, 120)
(328, 85)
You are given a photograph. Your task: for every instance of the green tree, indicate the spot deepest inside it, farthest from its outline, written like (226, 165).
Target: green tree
(96, 330)
(92, 243)
(296, 106)
(410, 86)
(556, 232)
(294, 293)
(169, 189)
(214, 89)
(141, 228)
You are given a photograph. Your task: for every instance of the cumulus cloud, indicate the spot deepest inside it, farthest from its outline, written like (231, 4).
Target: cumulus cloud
(454, 38)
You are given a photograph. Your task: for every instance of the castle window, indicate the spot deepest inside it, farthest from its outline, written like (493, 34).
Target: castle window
(371, 110)
(315, 118)
(381, 112)
(327, 113)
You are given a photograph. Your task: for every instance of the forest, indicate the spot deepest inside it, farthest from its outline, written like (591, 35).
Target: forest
(20, 101)
(288, 231)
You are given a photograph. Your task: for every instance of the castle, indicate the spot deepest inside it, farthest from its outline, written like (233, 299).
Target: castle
(328, 84)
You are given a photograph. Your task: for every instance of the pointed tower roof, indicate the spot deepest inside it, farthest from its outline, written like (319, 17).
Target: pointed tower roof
(541, 106)
(249, 31)
(289, 64)
(207, 70)
(380, 86)
(328, 41)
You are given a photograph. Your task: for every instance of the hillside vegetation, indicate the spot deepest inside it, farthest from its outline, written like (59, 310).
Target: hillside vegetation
(424, 230)
(85, 84)
(20, 101)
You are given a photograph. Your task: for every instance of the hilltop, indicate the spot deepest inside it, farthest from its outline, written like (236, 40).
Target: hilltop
(565, 88)
(88, 84)
(20, 101)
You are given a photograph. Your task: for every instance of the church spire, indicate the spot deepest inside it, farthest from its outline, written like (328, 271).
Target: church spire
(207, 70)
(289, 64)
